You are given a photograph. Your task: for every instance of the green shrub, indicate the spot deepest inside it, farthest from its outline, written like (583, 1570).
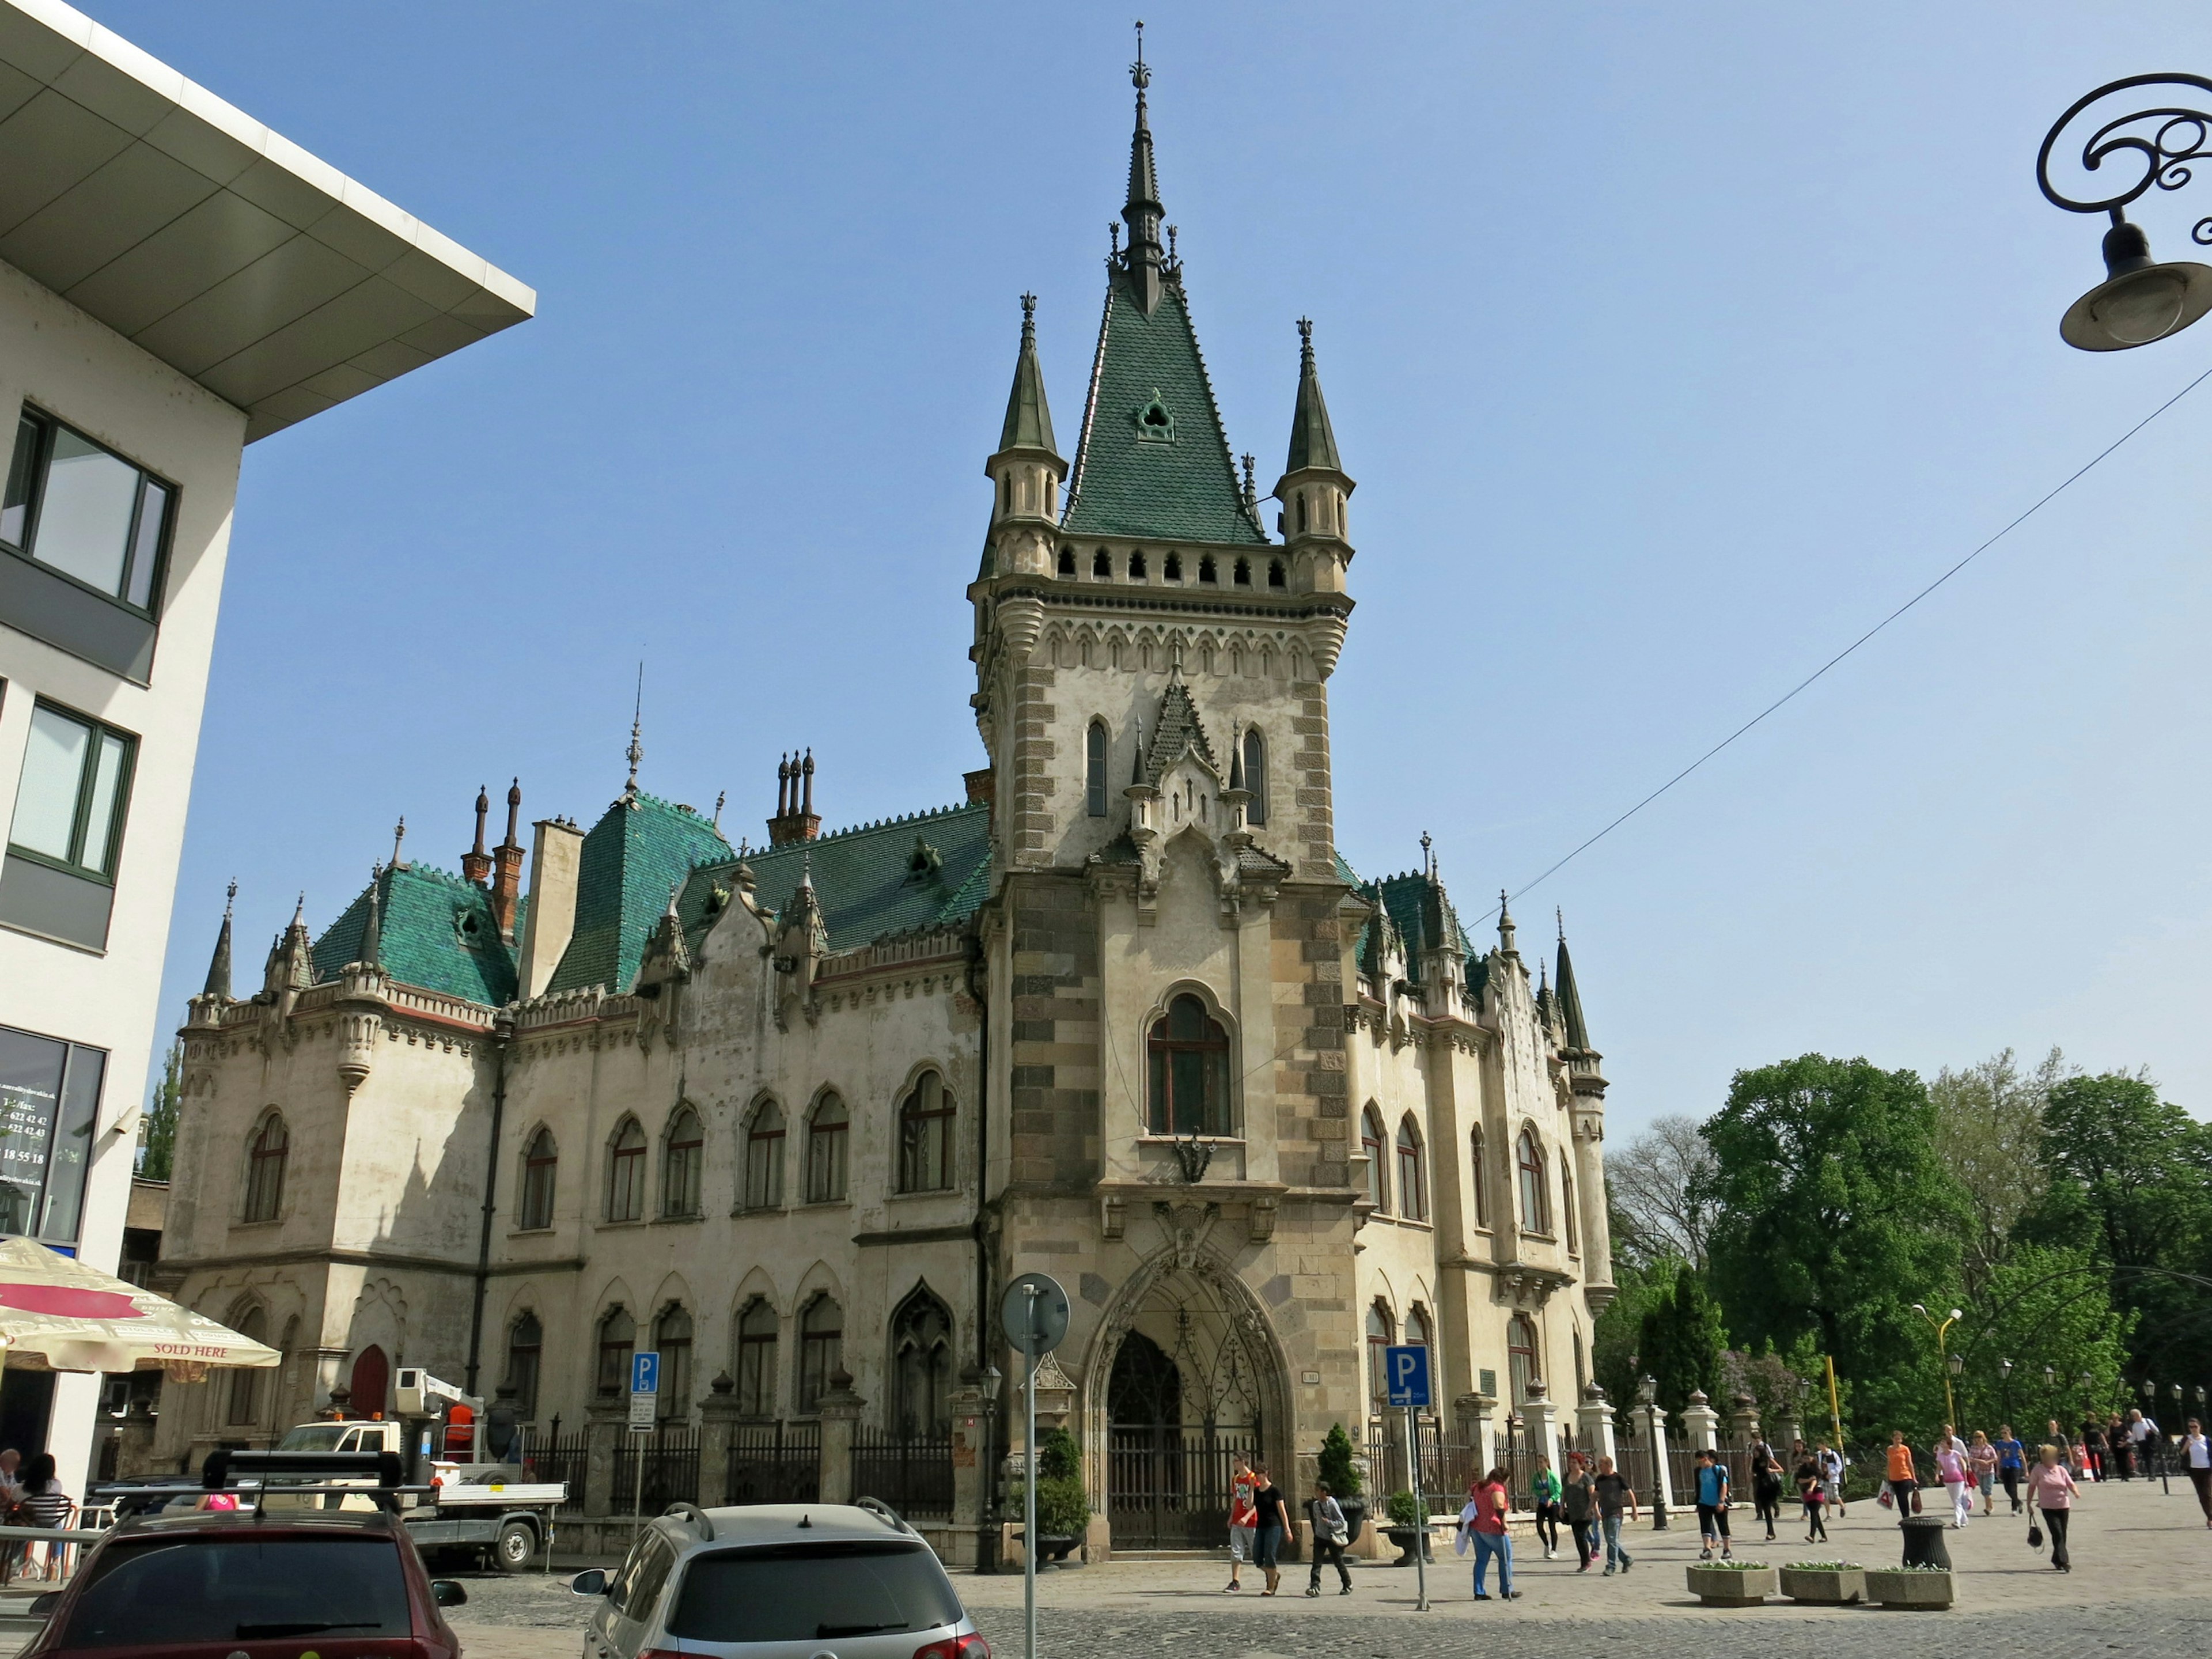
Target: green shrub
(1058, 1456)
(1407, 1510)
(1337, 1468)
(1063, 1509)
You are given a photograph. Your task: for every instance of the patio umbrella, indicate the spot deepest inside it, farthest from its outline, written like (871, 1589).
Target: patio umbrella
(59, 1314)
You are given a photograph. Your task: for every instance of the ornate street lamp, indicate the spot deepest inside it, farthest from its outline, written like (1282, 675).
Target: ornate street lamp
(1647, 1395)
(2139, 299)
(1952, 1364)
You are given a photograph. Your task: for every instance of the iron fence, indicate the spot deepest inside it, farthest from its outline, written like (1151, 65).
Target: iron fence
(773, 1463)
(913, 1473)
(554, 1457)
(669, 1460)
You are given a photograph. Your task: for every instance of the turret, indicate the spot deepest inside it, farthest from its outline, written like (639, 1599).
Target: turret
(1145, 261)
(1589, 1085)
(1026, 469)
(1313, 487)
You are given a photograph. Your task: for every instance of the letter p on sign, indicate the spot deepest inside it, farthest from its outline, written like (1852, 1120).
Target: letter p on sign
(1405, 1375)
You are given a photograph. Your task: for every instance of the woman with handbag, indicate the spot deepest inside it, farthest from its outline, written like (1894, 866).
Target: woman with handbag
(1544, 1494)
(2050, 1493)
(2196, 1459)
(1903, 1474)
(1330, 1535)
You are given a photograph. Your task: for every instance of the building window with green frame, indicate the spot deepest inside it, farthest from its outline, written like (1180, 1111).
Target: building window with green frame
(69, 802)
(77, 507)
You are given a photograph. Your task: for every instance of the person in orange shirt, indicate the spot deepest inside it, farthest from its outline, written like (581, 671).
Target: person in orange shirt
(1904, 1477)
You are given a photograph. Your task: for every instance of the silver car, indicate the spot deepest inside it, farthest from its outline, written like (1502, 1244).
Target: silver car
(778, 1581)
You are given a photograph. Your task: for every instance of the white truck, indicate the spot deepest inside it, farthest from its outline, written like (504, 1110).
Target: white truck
(484, 1507)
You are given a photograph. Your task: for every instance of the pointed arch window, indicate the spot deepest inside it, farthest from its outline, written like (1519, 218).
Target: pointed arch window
(682, 1161)
(925, 1125)
(1094, 769)
(757, 1334)
(1190, 1055)
(1534, 1217)
(1137, 565)
(1067, 561)
(1521, 1358)
(1378, 1338)
(922, 1366)
(1242, 573)
(1413, 1185)
(1102, 564)
(671, 1336)
(1275, 574)
(827, 1134)
(525, 1347)
(1378, 1168)
(245, 1402)
(1567, 1208)
(1171, 566)
(265, 1157)
(821, 1350)
(626, 1173)
(1255, 775)
(764, 1157)
(541, 1165)
(618, 1341)
(1205, 569)
(1479, 1177)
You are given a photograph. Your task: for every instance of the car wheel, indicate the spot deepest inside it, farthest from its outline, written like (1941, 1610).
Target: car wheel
(517, 1544)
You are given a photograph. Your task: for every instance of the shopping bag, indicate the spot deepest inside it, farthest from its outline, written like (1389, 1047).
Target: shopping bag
(1915, 1500)
(1886, 1498)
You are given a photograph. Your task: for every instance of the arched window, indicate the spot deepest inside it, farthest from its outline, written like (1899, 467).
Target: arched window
(1205, 573)
(369, 1383)
(265, 1155)
(1582, 1376)
(1418, 1335)
(618, 1341)
(1533, 1217)
(922, 1366)
(1094, 769)
(1478, 1176)
(925, 1125)
(1378, 1338)
(756, 1331)
(1137, 566)
(1171, 566)
(1412, 1186)
(826, 1135)
(1567, 1208)
(245, 1381)
(1302, 509)
(1255, 775)
(1275, 573)
(821, 1349)
(1189, 1053)
(671, 1336)
(1521, 1358)
(626, 1173)
(764, 1157)
(525, 1346)
(1378, 1168)
(1100, 564)
(1242, 573)
(1067, 561)
(541, 1163)
(683, 1155)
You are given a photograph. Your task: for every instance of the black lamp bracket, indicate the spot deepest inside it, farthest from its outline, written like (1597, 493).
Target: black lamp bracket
(2154, 146)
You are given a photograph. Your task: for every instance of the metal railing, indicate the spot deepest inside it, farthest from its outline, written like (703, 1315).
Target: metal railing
(773, 1463)
(913, 1473)
(670, 1457)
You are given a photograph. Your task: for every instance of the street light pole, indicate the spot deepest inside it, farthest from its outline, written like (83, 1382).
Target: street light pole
(1943, 1330)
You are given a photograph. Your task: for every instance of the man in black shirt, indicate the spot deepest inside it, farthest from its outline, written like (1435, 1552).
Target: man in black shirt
(1613, 1491)
(1274, 1521)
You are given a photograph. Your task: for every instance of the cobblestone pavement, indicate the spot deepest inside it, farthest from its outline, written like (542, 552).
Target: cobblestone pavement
(2141, 1586)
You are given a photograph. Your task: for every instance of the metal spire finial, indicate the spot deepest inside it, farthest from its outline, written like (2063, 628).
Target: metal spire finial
(1306, 339)
(398, 835)
(1029, 318)
(230, 897)
(636, 750)
(720, 796)
(1139, 75)
(1428, 858)
(1560, 913)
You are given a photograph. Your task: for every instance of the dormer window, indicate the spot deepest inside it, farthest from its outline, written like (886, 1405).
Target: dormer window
(1155, 421)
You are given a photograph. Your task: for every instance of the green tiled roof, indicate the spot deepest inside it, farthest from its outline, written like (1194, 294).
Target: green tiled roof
(1344, 873)
(1420, 909)
(1175, 482)
(641, 847)
(865, 879)
(436, 931)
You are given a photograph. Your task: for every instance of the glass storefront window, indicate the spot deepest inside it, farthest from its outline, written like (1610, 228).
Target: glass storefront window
(49, 1104)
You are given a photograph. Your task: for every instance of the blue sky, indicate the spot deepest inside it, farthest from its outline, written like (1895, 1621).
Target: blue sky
(1671, 347)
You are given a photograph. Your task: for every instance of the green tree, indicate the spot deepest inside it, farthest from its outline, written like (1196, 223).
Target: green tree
(1989, 1132)
(1616, 1359)
(157, 1135)
(1835, 1214)
(1682, 1340)
(2047, 1310)
(1336, 1466)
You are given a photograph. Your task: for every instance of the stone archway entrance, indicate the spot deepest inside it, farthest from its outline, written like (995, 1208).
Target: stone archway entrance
(1185, 1380)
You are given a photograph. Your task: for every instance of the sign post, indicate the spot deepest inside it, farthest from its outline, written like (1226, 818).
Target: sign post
(644, 1416)
(1033, 1313)
(1406, 1373)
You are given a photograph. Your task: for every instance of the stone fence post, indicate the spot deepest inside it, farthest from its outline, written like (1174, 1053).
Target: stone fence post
(1595, 1418)
(1703, 1422)
(1662, 1474)
(971, 1472)
(841, 1421)
(718, 1417)
(1743, 1421)
(1543, 1422)
(603, 1422)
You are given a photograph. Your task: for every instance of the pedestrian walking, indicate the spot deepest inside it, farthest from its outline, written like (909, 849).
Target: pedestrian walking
(1831, 1476)
(2196, 1458)
(2118, 1454)
(2093, 1448)
(2144, 1441)
(1812, 1492)
(1578, 1498)
(1902, 1474)
(1544, 1499)
(1982, 1466)
(1483, 1522)
(1330, 1536)
(1766, 1486)
(1951, 1469)
(1243, 1520)
(2012, 1463)
(1273, 1521)
(1712, 1507)
(1612, 1491)
(2052, 1490)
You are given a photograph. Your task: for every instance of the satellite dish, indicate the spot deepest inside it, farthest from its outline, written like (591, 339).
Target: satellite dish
(1035, 1323)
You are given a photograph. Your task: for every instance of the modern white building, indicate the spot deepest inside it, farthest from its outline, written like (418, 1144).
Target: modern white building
(176, 281)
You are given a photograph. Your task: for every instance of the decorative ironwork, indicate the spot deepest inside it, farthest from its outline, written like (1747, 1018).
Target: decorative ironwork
(671, 1469)
(913, 1473)
(2161, 141)
(1167, 1484)
(1194, 1155)
(773, 1463)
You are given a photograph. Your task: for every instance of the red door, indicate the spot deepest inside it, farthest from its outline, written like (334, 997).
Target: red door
(372, 1381)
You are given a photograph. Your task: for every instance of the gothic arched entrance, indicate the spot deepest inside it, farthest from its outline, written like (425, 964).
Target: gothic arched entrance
(1184, 1380)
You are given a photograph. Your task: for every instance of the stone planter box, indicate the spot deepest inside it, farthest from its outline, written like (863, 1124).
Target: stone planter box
(1893, 1589)
(1826, 1588)
(1732, 1587)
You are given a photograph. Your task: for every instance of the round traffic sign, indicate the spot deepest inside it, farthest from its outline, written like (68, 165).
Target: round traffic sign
(1034, 1314)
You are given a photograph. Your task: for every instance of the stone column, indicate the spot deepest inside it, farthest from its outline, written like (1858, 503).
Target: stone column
(1788, 1430)
(971, 1472)
(1743, 1421)
(1595, 1418)
(604, 1429)
(840, 1410)
(1543, 1421)
(1703, 1422)
(1662, 1477)
(718, 1417)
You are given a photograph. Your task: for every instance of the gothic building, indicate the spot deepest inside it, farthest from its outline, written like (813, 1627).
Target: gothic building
(792, 1116)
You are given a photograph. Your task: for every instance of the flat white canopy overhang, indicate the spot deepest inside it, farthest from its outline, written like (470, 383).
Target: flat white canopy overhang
(223, 248)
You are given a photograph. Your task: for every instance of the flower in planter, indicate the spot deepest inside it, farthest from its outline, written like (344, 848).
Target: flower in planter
(1822, 1566)
(1919, 1566)
(1731, 1566)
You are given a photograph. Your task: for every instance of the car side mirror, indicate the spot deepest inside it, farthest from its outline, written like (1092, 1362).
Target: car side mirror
(449, 1592)
(591, 1582)
(42, 1607)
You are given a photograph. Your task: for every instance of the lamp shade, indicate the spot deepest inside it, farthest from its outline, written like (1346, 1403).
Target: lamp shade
(2139, 301)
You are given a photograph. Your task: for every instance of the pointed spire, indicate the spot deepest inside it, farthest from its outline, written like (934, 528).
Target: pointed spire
(218, 974)
(372, 933)
(513, 813)
(476, 863)
(1137, 776)
(398, 836)
(300, 910)
(1143, 210)
(1505, 926)
(1571, 999)
(1029, 421)
(720, 795)
(1235, 759)
(1313, 442)
(635, 752)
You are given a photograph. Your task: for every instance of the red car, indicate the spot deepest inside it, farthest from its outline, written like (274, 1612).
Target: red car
(228, 1584)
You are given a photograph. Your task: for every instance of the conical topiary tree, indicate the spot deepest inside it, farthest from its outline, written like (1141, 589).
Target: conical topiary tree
(1337, 1468)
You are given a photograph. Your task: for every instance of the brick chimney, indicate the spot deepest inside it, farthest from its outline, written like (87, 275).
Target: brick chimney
(476, 863)
(507, 885)
(795, 819)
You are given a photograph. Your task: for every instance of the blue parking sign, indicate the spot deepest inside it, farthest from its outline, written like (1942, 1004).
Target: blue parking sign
(644, 1373)
(1405, 1375)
